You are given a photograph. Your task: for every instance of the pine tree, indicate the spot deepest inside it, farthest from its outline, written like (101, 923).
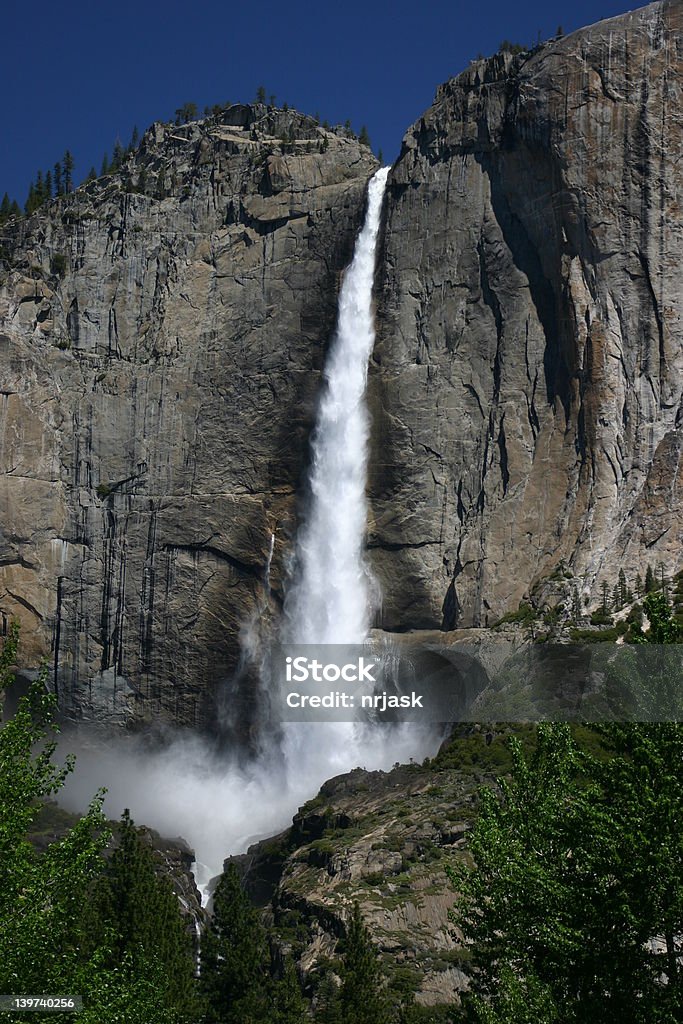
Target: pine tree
(364, 137)
(5, 208)
(92, 174)
(261, 94)
(639, 585)
(30, 204)
(234, 957)
(623, 588)
(576, 605)
(328, 1008)
(16, 209)
(362, 997)
(68, 169)
(134, 140)
(117, 156)
(288, 1006)
(605, 598)
(188, 112)
(616, 598)
(48, 185)
(59, 185)
(104, 169)
(662, 579)
(134, 905)
(650, 582)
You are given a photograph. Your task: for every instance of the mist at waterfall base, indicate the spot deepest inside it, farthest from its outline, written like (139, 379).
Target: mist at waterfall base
(186, 787)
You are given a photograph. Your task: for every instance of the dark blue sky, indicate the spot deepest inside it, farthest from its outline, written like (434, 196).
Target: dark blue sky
(77, 75)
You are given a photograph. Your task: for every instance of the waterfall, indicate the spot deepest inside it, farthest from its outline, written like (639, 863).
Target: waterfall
(222, 806)
(333, 595)
(331, 600)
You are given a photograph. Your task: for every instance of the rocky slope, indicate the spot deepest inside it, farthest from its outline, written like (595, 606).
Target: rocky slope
(528, 373)
(162, 332)
(161, 336)
(383, 839)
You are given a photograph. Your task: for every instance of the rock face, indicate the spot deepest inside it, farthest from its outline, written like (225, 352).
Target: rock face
(526, 387)
(384, 840)
(162, 332)
(161, 336)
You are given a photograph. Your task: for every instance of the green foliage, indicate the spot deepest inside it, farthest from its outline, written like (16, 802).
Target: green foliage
(40, 896)
(8, 208)
(525, 615)
(328, 1004)
(507, 47)
(600, 617)
(67, 171)
(362, 997)
(234, 957)
(288, 1005)
(117, 157)
(58, 264)
(578, 865)
(43, 948)
(664, 629)
(364, 137)
(188, 112)
(520, 999)
(261, 94)
(133, 905)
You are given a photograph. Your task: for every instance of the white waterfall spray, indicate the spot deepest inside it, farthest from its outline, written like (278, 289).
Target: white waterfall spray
(330, 602)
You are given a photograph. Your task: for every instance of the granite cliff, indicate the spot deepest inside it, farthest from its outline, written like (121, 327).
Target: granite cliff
(528, 372)
(162, 332)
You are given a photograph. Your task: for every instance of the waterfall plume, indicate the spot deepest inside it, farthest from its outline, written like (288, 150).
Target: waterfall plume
(330, 601)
